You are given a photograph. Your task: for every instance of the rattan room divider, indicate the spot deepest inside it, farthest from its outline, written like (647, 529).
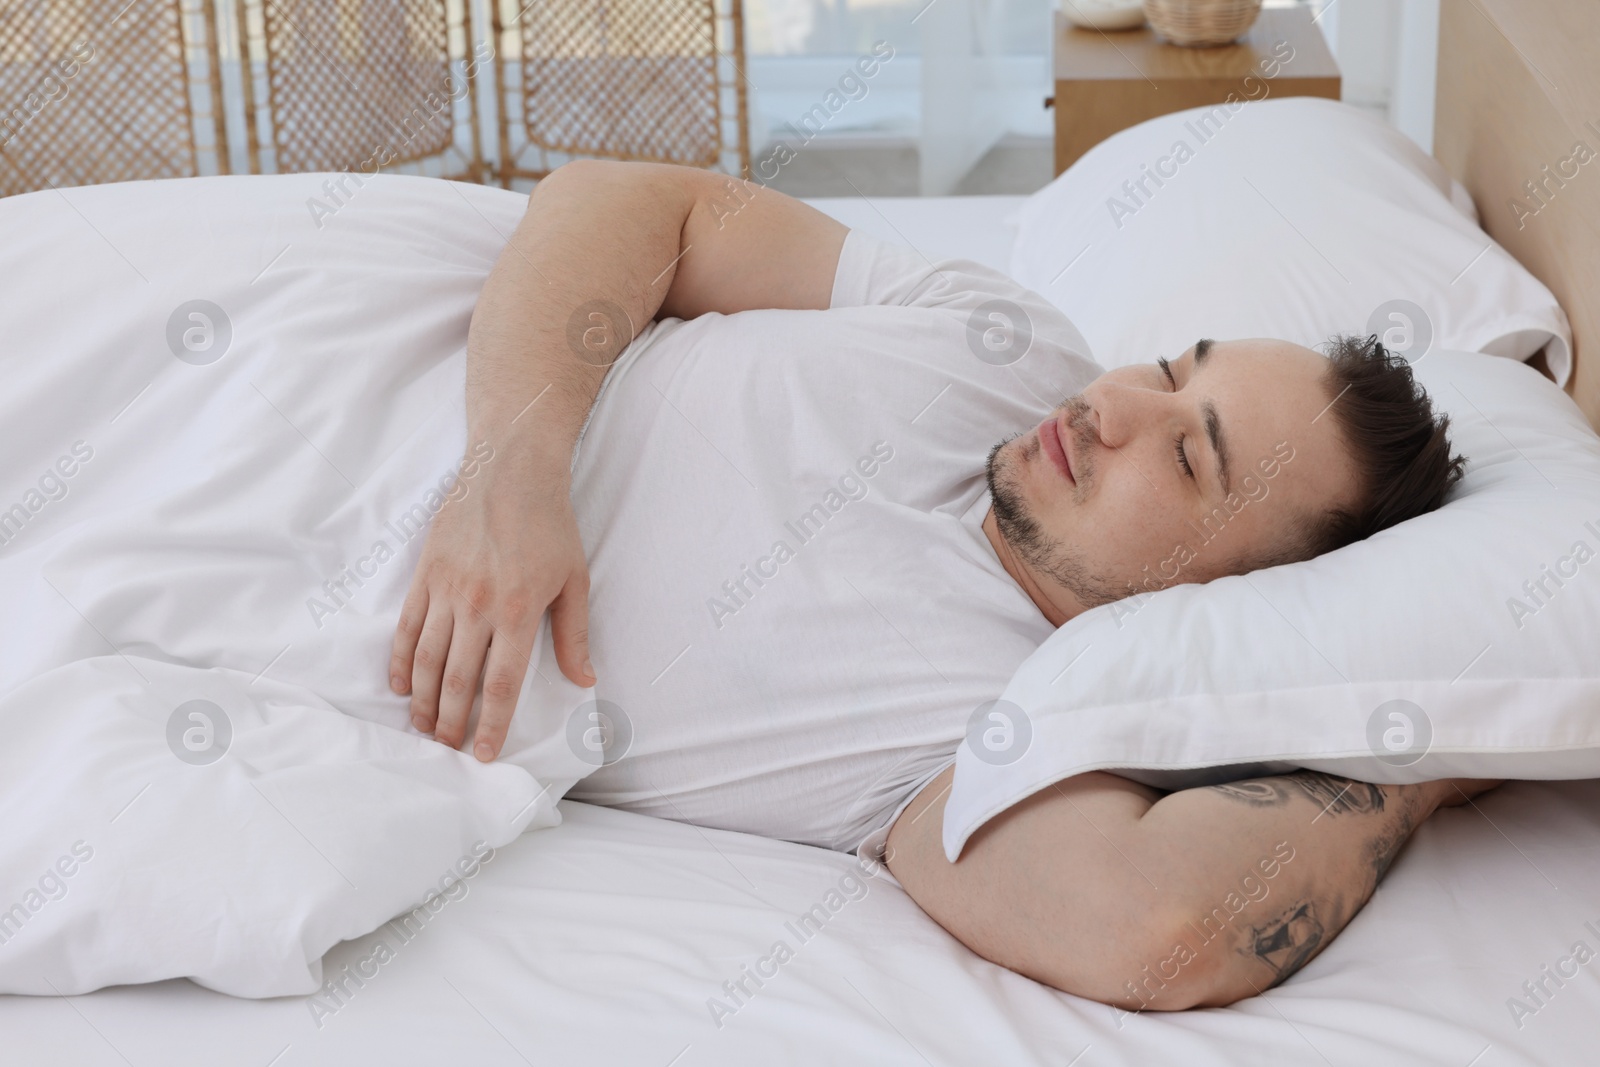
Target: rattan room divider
(660, 80)
(112, 90)
(360, 85)
(94, 91)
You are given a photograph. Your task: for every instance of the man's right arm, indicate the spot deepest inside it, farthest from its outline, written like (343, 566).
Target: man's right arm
(1114, 891)
(603, 248)
(648, 239)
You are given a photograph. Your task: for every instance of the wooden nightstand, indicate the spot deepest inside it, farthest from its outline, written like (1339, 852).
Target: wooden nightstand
(1108, 81)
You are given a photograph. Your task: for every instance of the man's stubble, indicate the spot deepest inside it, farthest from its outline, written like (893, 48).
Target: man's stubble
(1021, 530)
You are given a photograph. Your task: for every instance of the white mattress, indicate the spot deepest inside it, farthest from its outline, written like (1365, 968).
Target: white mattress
(603, 941)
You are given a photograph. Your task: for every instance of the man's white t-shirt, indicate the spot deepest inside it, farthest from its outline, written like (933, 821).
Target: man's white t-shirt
(792, 601)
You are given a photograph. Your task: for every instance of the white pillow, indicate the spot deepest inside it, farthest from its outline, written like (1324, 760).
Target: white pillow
(143, 843)
(1295, 218)
(1425, 651)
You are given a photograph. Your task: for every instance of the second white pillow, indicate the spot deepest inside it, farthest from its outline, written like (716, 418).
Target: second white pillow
(1296, 218)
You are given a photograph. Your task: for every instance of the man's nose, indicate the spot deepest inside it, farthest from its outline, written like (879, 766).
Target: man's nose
(1122, 412)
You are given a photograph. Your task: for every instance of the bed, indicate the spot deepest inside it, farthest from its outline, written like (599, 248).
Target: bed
(609, 939)
(619, 938)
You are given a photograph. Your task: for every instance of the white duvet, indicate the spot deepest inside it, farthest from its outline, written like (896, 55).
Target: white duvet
(224, 427)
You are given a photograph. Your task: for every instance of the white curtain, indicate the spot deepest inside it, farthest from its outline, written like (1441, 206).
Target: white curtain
(962, 113)
(963, 72)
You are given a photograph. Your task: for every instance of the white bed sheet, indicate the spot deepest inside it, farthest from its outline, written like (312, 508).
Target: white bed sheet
(602, 941)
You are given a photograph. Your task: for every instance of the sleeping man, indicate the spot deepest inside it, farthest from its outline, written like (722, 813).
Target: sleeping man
(800, 561)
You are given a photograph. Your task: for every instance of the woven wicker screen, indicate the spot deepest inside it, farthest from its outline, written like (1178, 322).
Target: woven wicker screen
(96, 91)
(659, 80)
(360, 84)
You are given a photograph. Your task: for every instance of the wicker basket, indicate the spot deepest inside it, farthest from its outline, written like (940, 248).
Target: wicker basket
(1201, 23)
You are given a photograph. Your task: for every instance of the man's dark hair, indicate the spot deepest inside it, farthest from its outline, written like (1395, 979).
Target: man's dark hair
(1400, 448)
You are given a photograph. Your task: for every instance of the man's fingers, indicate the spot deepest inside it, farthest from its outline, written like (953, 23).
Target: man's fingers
(468, 643)
(427, 665)
(502, 684)
(569, 629)
(406, 633)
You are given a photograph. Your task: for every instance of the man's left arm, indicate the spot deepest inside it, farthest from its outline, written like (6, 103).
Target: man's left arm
(1111, 890)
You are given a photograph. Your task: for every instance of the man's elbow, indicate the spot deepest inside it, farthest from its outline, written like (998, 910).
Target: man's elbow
(574, 171)
(1106, 946)
(609, 179)
(1158, 969)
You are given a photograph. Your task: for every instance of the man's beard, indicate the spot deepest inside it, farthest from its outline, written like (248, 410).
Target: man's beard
(1021, 530)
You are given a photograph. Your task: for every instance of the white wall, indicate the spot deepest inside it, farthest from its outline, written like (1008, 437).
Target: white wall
(1388, 57)
(1417, 59)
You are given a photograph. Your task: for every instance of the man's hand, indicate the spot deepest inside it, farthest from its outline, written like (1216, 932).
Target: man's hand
(494, 561)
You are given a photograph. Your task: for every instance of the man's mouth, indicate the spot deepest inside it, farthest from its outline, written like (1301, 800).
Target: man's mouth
(1051, 445)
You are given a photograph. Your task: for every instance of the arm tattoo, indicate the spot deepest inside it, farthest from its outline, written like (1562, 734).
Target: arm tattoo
(1287, 941)
(1383, 848)
(1334, 795)
(1257, 792)
(1339, 796)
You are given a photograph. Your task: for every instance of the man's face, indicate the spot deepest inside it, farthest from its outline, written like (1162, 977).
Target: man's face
(1142, 482)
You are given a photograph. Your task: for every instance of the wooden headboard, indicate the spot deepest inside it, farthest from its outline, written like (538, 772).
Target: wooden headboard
(1519, 102)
